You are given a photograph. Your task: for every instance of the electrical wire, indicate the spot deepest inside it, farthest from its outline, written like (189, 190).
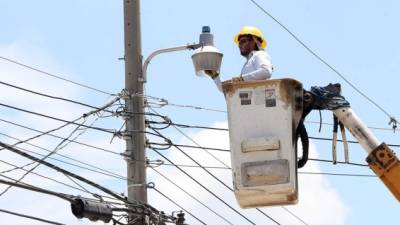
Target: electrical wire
(58, 169)
(192, 140)
(54, 76)
(42, 176)
(299, 172)
(338, 162)
(225, 129)
(204, 187)
(57, 148)
(190, 195)
(174, 202)
(59, 137)
(42, 133)
(57, 119)
(164, 102)
(64, 156)
(372, 128)
(338, 174)
(107, 173)
(392, 119)
(30, 217)
(49, 96)
(68, 197)
(291, 213)
(188, 146)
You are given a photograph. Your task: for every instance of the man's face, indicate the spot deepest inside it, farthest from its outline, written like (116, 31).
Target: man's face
(246, 45)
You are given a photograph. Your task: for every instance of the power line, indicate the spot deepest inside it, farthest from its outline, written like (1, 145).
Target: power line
(290, 212)
(58, 119)
(43, 133)
(164, 102)
(193, 197)
(338, 162)
(54, 76)
(64, 156)
(204, 187)
(339, 174)
(300, 172)
(168, 122)
(372, 128)
(212, 175)
(191, 139)
(57, 148)
(30, 217)
(107, 173)
(59, 137)
(106, 190)
(189, 146)
(226, 129)
(138, 208)
(392, 119)
(42, 176)
(165, 196)
(49, 96)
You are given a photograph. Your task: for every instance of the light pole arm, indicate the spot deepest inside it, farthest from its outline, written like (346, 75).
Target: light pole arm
(165, 50)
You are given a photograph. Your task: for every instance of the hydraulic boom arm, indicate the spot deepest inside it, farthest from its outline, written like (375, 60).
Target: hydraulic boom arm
(381, 159)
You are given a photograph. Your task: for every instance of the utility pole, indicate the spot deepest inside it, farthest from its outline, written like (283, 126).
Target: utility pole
(135, 139)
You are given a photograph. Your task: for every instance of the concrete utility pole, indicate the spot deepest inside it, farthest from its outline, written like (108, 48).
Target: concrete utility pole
(135, 139)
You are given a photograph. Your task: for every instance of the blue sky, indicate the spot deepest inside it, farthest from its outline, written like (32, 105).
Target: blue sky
(82, 41)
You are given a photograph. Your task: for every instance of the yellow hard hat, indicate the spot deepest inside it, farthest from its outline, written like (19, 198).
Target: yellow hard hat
(252, 31)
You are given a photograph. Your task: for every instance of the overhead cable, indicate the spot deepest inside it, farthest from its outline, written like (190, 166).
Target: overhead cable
(42, 176)
(204, 187)
(190, 195)
(58, 119)
(174, 202)
(105, 190)
(55, 76)
(57, 148)
(30, 217)
(338, 162)
(393, 120)
(226, 129)
(64, 156)
(49, 96)
(107, 173)
(338, 174)
(192, 140)
(164, 102)
(59, 137)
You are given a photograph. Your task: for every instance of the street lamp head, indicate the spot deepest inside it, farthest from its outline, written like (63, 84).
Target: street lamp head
(207, 58)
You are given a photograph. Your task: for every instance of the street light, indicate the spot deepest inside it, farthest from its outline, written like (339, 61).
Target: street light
(206, 57)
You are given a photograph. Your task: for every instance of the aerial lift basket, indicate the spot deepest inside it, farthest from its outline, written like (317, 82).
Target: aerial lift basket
(263, 117)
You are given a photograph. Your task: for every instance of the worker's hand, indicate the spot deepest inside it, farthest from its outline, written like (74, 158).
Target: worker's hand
(237, 79)
(211, 73)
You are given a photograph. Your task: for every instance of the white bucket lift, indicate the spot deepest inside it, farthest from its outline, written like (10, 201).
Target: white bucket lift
(263, 117)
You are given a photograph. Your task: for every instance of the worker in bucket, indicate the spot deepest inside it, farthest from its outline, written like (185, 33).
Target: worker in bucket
(258, 66)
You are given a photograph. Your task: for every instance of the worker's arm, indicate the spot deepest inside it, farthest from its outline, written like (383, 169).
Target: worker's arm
(258, 67)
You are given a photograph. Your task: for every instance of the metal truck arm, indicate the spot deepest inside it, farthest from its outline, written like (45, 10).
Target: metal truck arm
(381, 159)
